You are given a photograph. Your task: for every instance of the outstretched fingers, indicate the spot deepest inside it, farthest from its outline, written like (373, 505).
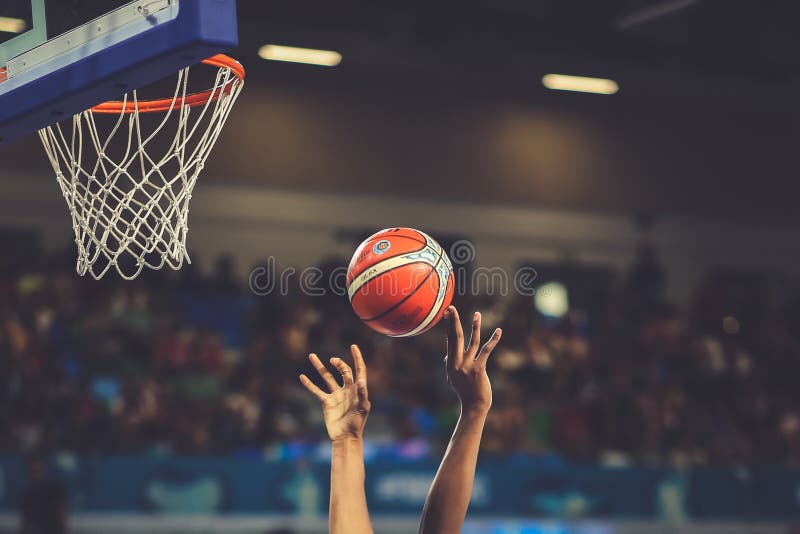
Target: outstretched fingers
(361, 372)
(344, 370)
(455, 338)
(488, 347)
(333, 385)
(475, 336)
(310, 386)
(361, 366)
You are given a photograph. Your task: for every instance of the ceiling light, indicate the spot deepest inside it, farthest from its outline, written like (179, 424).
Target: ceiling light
(582, 84)
(327, 58)
(12, 25)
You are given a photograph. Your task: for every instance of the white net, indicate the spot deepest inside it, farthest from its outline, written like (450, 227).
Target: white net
(128, 175)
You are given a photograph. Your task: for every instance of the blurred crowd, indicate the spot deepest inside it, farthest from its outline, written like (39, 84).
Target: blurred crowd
(186, 363)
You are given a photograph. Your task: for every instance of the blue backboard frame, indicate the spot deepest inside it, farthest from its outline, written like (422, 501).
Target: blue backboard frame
(140, 53)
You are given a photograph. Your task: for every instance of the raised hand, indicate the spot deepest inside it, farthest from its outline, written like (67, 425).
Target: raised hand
(345, 408)
(466, 369)
(448, 499)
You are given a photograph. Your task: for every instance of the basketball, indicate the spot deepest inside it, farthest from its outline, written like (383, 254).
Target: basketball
(400, 281)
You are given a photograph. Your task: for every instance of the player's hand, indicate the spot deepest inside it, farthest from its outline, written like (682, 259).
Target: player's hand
(466, 369)
(346, 407)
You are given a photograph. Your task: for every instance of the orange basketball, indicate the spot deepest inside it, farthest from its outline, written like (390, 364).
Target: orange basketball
(400, 281)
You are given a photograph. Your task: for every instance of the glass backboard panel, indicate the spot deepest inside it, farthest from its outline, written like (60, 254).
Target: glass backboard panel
(22, 27)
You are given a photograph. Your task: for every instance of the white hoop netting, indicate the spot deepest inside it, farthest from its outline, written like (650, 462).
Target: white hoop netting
(130, 208)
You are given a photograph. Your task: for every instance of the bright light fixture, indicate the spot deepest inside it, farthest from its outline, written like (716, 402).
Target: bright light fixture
(327, 58)
(551, 300)
(12, 25)
(582, 84)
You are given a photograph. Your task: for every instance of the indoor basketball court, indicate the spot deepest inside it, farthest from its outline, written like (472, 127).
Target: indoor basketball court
(487, 267)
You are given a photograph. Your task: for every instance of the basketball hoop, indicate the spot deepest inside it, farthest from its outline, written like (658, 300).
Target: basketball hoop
(127, 187)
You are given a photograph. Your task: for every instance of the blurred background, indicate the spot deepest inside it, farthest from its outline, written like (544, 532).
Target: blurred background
(646, 381)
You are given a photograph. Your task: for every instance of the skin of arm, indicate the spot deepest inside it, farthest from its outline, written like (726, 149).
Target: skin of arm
(345, 409)
(448, 499)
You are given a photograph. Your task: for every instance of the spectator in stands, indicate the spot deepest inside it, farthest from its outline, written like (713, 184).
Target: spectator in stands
(114, 367)
(43, 505)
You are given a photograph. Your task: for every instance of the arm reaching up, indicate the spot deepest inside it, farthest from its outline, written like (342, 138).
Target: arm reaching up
(448, 499)
(345, 410)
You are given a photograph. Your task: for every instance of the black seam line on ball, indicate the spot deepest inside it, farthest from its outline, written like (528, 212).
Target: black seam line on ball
(433, 270)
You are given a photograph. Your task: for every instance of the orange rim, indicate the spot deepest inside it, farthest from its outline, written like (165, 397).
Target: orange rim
(3, 74)
(192, 100)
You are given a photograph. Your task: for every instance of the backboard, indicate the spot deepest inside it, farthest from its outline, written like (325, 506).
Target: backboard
(60, 57)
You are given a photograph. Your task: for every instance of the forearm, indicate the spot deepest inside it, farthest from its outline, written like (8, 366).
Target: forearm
(449, 496)
(348, 506)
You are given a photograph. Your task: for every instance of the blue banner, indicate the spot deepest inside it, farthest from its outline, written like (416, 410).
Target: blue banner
(518, 487)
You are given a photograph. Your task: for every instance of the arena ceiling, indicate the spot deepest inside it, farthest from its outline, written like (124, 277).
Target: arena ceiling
(443, 100)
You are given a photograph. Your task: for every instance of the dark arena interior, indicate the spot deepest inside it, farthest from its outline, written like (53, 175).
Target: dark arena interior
(615, 184)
